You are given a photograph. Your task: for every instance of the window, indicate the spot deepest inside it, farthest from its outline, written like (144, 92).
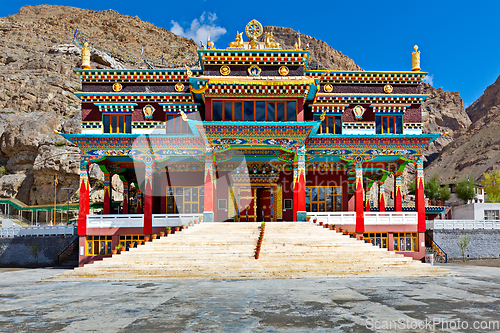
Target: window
(175, 124)
(330, 125)
(405, 241)
(324, 198)
(288, 204)
(378, 238)
(117, 123)
(98, 245)
(125, 240)
(185, 200)
(254, 111)
(389, 124)
(491, 215)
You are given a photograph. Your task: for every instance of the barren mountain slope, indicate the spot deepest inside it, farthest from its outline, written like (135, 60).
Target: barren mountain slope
(478, 150)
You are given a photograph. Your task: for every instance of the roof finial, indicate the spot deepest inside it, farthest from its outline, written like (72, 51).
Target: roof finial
(416, 60)
(86, 56)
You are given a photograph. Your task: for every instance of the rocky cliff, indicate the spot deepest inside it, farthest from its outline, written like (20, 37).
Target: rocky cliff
(478, 149)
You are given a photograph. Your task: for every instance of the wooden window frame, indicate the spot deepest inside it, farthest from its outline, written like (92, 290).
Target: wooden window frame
(125, 240)
(378, 237)
(92, 250)
(118, 117)
(405, 236)
(395, 119)
(201, 199)
(284, 102)
(333, 195)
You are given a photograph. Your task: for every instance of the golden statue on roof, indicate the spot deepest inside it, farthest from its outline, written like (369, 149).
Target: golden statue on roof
(416, 60)
(86, 56)
(239, 40)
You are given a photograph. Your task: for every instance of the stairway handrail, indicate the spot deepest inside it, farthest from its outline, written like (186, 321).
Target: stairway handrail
(65, 253)
(436, 247)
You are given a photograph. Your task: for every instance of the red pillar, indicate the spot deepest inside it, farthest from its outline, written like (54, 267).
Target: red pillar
(163, 184)
(358, 183)
(419, 196)
(139, 202)
(295, 191)
(381, 197)
(83, 208)
(398, 198)
(301, 188)
(208, 213)
(148, 200)
(367, 203)
(125, 198)
(107, 193)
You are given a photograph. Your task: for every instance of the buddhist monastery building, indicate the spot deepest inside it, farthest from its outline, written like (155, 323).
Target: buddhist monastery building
(252, 134)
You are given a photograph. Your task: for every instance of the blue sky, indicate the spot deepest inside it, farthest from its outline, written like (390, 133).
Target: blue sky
(459, 40)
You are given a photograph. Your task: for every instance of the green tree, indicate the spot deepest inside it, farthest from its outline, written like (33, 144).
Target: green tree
(492, 185)
(444, 193)
(466, 189)
(432, 188)
(463, 242)
(411, 188)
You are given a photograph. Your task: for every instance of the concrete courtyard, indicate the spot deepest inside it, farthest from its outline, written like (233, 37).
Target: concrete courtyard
(467, 303)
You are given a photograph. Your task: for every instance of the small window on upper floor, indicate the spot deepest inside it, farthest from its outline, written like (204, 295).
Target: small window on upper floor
(391, 124)
(175, 124)
(117, 123)
(330, 125)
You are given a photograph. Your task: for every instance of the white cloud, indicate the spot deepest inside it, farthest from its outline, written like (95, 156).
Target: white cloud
(429, 79)
(200, 28)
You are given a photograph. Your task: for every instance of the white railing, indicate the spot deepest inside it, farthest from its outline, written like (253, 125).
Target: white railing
(172, 220)
(335, 217)
(463, 224)
(38, 231)
(115, 221)
(390, 218)
(371, 218)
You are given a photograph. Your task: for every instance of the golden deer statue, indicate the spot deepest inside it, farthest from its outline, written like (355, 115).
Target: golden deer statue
(239, 40)
(270, 43)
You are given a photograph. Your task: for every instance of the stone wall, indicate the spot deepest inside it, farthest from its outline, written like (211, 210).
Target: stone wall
(485, 243)
(17, 251)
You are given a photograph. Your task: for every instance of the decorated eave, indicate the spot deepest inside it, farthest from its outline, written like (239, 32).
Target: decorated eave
(344, 98)
(135, 75)
(246, 133)
(365, 77)
(253, 57)
(138, 97)
(369, 146)
(105, 145)
(224, 86)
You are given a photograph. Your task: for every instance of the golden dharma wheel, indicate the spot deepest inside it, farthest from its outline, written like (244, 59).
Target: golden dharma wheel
(283, 70)
(117, 87)
(225, 70)
(388, 89)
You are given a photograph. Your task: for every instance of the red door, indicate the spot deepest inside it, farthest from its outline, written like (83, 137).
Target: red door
(264, 204)
(247, 204)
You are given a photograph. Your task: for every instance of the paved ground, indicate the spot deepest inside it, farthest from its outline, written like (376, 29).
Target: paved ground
(336, 305)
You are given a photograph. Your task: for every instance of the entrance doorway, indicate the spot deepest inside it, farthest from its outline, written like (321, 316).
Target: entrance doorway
(256, 203)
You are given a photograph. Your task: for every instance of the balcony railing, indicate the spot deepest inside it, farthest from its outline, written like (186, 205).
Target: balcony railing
(115, 221)
(137, 220)
(172, 220)
(38, 231)
(463, 224)
(371, 218)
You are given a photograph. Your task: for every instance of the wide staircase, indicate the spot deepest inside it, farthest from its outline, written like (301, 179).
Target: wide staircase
(226, 251)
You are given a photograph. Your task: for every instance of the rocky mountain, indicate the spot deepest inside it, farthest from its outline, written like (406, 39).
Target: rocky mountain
(37, 86)
(322, 55)
(478, 149)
